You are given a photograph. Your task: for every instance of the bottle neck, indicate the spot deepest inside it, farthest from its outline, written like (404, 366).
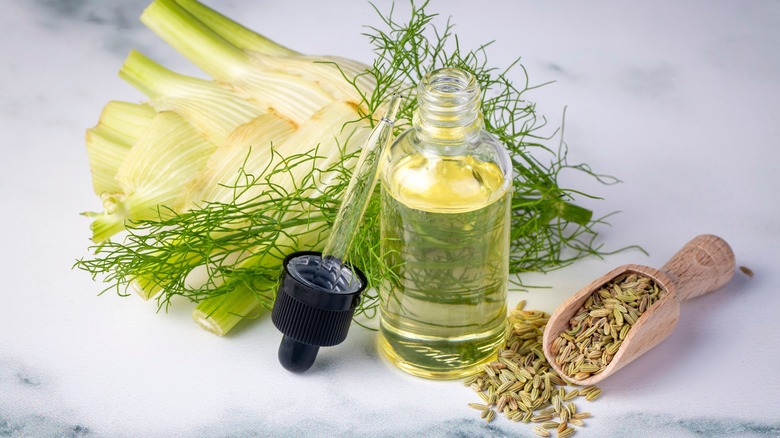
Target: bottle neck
(449, 109)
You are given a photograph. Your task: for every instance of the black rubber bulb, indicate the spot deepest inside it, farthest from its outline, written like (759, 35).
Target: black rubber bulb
(296, 356)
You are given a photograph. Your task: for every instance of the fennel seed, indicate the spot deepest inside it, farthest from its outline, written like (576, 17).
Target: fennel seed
(593, 395)
(564, 415)
(569, 431)
(541, 431)
(541, 418)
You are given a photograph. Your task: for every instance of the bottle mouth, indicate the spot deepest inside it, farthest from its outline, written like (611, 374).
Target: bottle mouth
(449, 105)
(451, 83)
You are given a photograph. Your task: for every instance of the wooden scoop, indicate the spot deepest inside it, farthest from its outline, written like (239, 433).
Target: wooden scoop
(702, 265)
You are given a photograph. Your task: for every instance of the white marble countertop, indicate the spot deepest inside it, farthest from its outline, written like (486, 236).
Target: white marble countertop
(679, 99)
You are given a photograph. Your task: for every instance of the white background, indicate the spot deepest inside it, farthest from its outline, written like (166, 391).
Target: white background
(678, 99)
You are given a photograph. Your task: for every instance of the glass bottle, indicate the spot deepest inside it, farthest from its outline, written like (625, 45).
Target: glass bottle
(446, 200)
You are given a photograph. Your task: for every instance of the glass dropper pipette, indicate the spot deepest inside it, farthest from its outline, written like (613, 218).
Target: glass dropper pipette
(318, 292)
(356, 198)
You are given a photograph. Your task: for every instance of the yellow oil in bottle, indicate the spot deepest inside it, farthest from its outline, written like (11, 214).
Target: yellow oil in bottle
(445, 229)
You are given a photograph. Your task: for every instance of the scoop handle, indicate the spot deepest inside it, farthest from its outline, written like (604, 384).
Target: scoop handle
(702, 265)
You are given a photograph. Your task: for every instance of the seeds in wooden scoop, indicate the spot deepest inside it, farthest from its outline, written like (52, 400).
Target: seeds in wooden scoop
(598, 329)
(522, 385)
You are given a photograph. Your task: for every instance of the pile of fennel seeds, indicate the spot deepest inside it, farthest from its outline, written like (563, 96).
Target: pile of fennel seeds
(597, 330)
(522, 385)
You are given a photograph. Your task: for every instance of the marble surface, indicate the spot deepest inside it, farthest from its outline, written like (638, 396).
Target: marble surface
(676, 98)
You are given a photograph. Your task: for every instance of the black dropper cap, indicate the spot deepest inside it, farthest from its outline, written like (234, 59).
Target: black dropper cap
(314, 306)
